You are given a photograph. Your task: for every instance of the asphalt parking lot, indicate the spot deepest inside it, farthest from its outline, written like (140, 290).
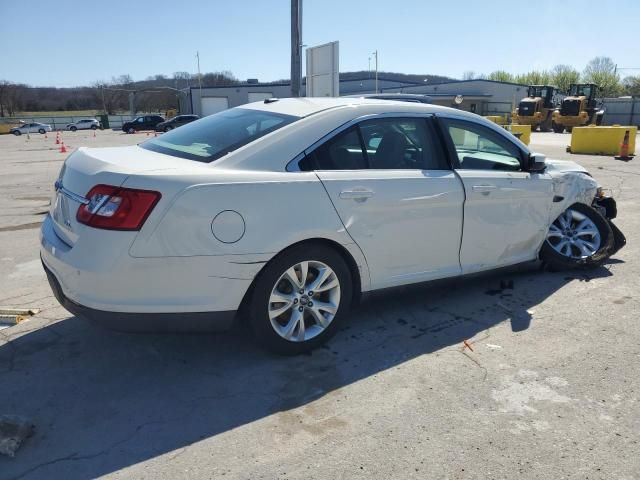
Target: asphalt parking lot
(547, 387)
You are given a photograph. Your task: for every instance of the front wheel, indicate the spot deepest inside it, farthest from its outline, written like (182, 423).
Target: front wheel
(300, 299)
(579, 237)
(73, 129)
(94, 127)
(42, 131)
(17, 133)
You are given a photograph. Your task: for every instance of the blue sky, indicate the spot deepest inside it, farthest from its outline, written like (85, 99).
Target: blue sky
(74, 42)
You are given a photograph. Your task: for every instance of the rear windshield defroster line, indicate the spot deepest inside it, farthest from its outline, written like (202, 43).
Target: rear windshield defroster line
(212, 137)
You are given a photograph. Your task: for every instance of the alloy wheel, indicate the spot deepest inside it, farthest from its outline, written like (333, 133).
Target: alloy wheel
(574, 235)
(304, 301)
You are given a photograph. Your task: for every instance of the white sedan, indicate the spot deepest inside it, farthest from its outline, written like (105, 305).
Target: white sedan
(85, 124)
(288, 210)
(33, 127)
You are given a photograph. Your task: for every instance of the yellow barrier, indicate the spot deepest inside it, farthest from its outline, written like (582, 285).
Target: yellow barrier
(602, 140)
(523, 130)
(499, 119)
(4, 128)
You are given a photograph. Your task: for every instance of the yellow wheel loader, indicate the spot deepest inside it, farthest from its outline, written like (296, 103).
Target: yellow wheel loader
(537, 108)
(577, 109)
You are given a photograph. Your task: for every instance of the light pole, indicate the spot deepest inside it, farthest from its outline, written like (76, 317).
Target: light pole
(376, 55)
(296, 47)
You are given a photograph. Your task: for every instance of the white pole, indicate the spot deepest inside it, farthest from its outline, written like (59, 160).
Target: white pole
(376, 54)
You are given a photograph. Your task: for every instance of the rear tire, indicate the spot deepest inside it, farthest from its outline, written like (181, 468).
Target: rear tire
(557, 128)
(579, 238)
(568, 129)
(305, 319)
(94, 127)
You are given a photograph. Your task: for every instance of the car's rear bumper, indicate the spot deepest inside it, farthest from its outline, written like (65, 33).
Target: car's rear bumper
(144, 322)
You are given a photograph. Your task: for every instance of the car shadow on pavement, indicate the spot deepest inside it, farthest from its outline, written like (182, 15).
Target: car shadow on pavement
(102, 401)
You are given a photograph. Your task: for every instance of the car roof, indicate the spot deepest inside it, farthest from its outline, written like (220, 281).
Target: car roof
(303, 107)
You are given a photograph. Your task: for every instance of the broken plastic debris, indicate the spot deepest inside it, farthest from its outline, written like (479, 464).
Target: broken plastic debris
(491, 346)
(14, 430)
(13, 316)
(467, 345)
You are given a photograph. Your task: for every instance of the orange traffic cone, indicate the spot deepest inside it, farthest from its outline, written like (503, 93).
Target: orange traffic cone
(147, 134)
(63, 149)
(624, 147)
(57, 138)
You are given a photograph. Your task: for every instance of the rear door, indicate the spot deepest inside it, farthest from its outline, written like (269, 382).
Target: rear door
(507, 209)
(396, 196)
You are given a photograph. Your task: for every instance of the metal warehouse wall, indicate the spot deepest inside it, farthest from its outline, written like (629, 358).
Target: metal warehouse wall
(501, 95)
(622, 111)
(239, 94)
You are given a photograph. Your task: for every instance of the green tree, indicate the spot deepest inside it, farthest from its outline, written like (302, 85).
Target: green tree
(534, 77)
(500, 76)
(632, 85)
(602, 71)
(562, 76)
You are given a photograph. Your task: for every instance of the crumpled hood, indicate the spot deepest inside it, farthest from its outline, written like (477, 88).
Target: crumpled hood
(562, 166)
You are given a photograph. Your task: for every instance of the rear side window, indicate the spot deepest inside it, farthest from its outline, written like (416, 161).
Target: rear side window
(342, 152)
(380, 144)
(214, 136)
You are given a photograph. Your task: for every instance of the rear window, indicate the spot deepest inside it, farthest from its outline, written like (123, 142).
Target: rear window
(214, 136)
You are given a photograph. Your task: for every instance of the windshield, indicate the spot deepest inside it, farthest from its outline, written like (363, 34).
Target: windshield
(214, 136)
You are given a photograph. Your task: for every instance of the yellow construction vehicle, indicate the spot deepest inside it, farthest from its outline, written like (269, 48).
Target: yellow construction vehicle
(577, 109)
(537, 108)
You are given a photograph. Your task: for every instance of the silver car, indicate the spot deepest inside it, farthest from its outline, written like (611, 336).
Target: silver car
(31, 128)
(86, 124)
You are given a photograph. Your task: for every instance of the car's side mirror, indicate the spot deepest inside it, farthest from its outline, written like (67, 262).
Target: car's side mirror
(537, 162)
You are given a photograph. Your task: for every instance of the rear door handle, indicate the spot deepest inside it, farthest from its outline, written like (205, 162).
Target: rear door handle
(484, 189)
(356, 194)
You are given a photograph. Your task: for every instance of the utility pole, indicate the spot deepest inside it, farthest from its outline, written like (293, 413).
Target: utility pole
(376, 55)
(199, 76)
(369, 67)
(296, 47)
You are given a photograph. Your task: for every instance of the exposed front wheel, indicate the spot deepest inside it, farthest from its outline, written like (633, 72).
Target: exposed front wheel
(300, 299)
(579, 237)
(131, 130)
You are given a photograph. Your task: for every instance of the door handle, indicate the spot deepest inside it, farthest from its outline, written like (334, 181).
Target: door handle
(484, 189)
(356, 194)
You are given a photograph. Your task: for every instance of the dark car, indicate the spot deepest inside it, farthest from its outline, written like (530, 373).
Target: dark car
(145, 122)
(175, 122)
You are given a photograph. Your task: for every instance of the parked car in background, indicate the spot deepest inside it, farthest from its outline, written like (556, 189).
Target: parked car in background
(175, 122)
(31, 128)
(289, 210)
(85, 124)
(398, 97)
(144, 122)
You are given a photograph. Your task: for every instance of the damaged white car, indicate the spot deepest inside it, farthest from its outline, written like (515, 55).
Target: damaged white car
(289, 209)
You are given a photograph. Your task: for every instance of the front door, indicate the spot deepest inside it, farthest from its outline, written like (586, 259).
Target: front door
(507, 209)
(397, 198)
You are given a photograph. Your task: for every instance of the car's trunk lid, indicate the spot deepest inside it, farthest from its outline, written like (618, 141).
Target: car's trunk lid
(88, 167)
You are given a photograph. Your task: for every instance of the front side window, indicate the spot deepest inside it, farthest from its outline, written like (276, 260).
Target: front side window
(216, 135)
(479, 148)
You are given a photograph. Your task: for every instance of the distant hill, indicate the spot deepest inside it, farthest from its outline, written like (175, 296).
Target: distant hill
(400, 77)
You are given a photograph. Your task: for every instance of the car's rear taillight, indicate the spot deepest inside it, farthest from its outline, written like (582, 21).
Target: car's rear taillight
(117, 208)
